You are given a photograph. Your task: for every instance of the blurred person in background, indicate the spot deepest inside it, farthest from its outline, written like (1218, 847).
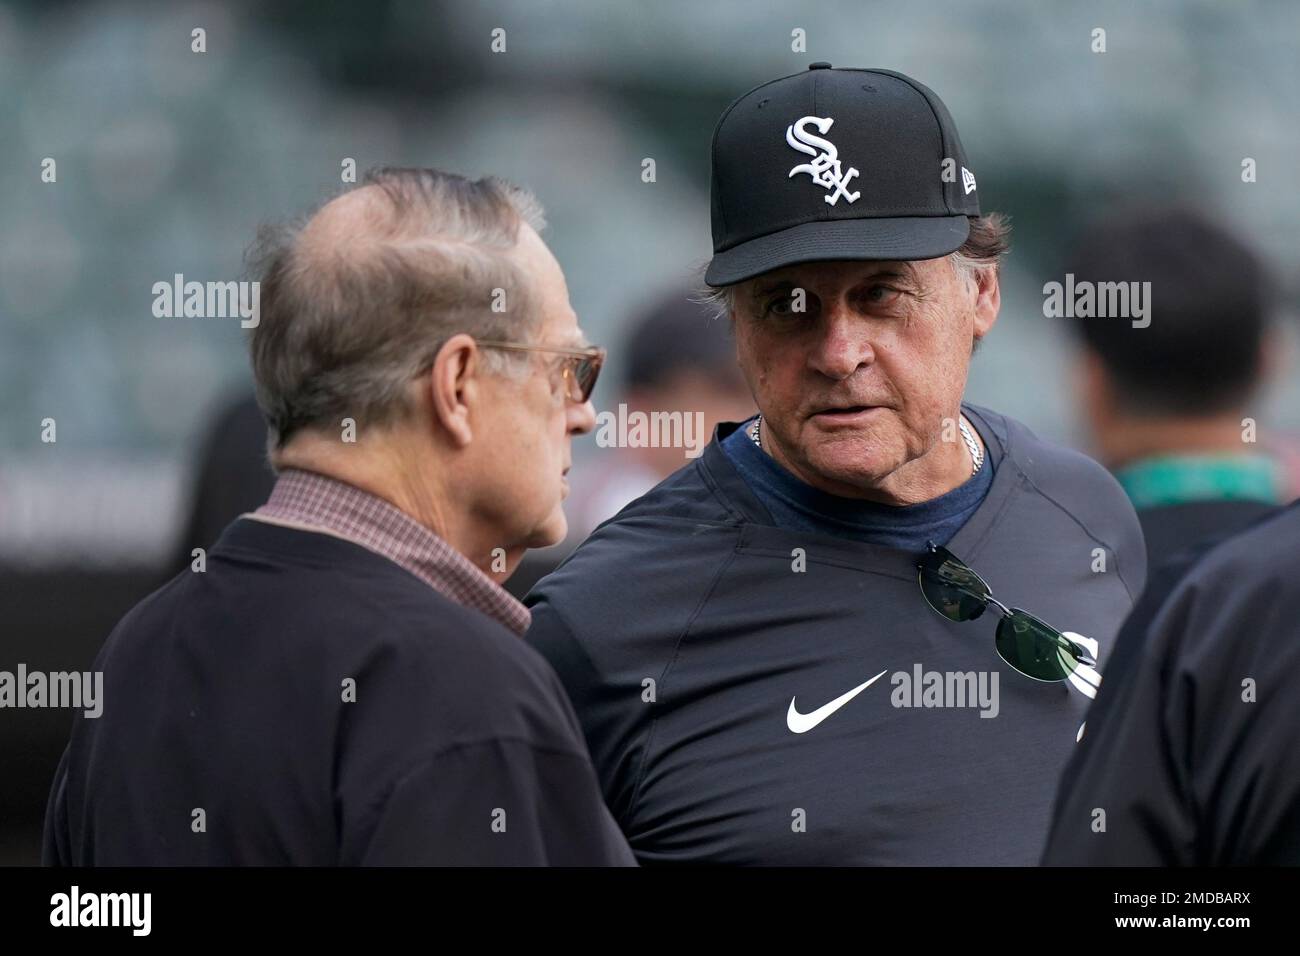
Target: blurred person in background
(680, 357)
(1164, 402)
(344, 682)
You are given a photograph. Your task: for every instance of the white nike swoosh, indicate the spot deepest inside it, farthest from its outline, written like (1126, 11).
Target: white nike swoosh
(802, 723)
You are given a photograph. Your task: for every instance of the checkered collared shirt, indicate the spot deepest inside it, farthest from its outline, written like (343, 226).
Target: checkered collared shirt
(313, 502)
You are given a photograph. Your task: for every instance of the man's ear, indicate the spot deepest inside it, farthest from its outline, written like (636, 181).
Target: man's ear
(988, 300)
(454, 386)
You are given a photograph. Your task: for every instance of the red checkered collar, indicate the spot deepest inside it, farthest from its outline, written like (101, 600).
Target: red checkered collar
(313, 502)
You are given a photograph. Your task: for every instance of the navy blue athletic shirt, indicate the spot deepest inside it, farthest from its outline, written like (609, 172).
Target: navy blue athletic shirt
(797, 506)
(753, 694)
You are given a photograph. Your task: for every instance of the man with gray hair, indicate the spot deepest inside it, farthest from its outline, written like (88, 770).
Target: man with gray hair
(823, 544)
(342, 680)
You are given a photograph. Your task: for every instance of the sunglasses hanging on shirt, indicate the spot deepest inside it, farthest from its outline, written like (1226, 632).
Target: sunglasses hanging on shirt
(1027, 644)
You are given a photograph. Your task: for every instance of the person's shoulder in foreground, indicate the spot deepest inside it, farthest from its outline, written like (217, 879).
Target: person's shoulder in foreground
(1190, 753)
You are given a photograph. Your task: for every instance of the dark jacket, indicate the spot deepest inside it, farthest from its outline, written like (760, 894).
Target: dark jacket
(226, 737)
(1191, 755)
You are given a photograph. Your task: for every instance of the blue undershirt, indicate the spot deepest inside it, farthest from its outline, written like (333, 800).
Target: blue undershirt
(796, 506)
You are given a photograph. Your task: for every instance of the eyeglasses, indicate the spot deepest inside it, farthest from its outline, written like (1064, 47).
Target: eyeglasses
(1028, 645)
(581, 366)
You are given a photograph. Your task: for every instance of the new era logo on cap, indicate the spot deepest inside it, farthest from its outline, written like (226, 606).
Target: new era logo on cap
(836, 164)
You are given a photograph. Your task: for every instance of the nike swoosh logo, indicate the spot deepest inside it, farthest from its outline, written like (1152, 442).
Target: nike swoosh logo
(802, 723)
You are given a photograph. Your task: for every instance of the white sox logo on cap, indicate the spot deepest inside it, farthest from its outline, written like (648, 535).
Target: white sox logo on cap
(825, 168)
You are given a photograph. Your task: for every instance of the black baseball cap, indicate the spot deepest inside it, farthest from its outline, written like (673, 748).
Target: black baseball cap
(836, 164)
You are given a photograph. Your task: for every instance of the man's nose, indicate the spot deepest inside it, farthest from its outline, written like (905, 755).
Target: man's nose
(842, 347)
(581, 417)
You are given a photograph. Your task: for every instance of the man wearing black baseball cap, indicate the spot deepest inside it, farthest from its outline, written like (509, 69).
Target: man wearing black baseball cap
(726, 638)
(888, 180)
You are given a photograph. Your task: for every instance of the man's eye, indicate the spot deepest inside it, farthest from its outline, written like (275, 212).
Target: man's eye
(882, 294)
(782, 306)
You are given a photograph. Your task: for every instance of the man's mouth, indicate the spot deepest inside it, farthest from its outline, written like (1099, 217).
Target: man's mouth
(844, 414)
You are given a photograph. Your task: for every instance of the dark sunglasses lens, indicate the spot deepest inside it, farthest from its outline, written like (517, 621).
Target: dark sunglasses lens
(585, 373)
(1034, 649)
(954, 590)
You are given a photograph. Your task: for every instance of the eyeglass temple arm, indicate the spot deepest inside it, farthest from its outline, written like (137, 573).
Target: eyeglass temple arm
(1077, 650)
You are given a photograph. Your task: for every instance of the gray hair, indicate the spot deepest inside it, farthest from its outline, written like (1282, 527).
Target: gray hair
(985, 246)
(348, 319)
